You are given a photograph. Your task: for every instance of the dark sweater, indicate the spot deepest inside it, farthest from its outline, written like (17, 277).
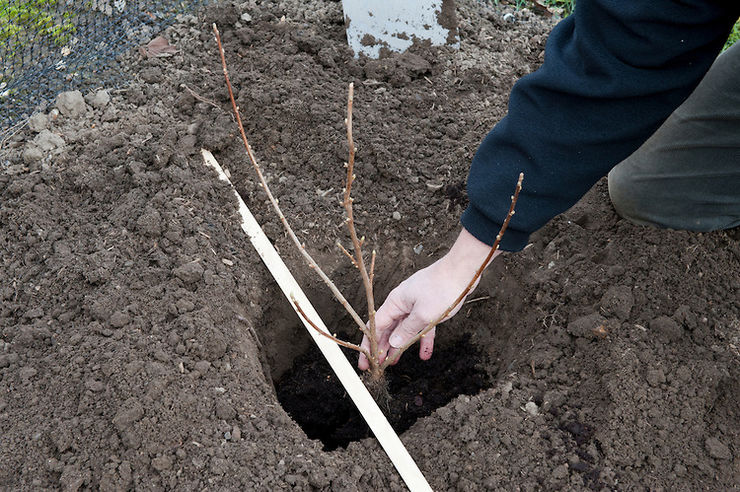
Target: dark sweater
(613, 72)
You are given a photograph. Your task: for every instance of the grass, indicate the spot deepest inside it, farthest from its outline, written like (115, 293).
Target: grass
(734, 35)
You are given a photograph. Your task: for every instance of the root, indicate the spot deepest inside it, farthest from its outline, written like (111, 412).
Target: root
(378, 388)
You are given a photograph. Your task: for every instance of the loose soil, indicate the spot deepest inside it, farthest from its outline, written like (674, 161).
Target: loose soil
(141, 337)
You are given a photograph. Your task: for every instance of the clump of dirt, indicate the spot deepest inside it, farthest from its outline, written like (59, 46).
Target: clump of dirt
(140, 336)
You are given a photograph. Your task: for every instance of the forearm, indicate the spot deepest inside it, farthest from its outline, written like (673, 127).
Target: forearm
(466, 255)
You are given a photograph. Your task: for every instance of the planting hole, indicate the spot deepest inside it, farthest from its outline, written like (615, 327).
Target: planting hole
(310, 392)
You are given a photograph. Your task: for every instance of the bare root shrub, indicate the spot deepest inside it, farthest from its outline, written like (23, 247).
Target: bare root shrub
(375, 379)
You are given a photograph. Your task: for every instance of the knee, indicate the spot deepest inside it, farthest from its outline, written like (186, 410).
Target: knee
(623, 192)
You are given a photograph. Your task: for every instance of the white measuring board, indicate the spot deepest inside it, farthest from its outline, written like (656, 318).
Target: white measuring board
(346, 374)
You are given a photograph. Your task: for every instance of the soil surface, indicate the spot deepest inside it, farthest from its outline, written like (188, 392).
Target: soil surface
(141, 337)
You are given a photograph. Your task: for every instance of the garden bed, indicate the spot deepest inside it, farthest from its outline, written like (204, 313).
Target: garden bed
(142, 339)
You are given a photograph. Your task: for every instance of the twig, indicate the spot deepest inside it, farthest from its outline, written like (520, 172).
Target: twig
(301, 248)
(392, 359)
(325, 334)
(201, 98)
(12, 131)
(357, 243)
(347, 253)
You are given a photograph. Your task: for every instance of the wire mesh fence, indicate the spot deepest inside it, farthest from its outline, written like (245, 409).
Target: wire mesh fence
(48, 46)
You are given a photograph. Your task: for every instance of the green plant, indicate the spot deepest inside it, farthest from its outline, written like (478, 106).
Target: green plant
(22, 21)
(565, 6)
(734, 35)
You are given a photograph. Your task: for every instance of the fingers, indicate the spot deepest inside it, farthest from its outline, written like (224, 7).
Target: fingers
(383, 348)
(406, 330)
(392, 311)
(363, 364)
(387, 317)
(426, 345)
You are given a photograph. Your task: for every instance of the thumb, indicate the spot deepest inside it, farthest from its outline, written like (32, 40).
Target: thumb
(406, 330)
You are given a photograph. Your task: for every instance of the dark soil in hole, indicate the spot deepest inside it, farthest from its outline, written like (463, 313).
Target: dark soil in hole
(316, 400)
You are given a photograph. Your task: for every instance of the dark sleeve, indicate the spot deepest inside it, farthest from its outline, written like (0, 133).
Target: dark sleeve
(613, 72)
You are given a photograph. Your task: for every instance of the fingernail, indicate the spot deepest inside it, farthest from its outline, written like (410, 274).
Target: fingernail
(396, 341)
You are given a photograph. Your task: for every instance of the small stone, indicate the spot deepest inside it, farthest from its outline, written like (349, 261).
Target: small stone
(531, 408)
(246, 17)
(396, 215)
(236, 433)
(717, 449)
(119, 319)
(101, 99)
(38, 122)
(202, 366)
(189, 272)
(71, 103)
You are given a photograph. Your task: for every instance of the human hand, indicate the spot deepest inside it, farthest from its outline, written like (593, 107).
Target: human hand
(424, 296)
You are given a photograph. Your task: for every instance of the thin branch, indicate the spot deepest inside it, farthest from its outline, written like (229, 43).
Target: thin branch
(357, 243)
(311, 262)
(12, 131)
(201, 98)
(325, 334)
(468, 288)
(347, 253)
(372, 268)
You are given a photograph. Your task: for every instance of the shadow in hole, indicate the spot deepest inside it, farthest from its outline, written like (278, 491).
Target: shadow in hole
(316, 400)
